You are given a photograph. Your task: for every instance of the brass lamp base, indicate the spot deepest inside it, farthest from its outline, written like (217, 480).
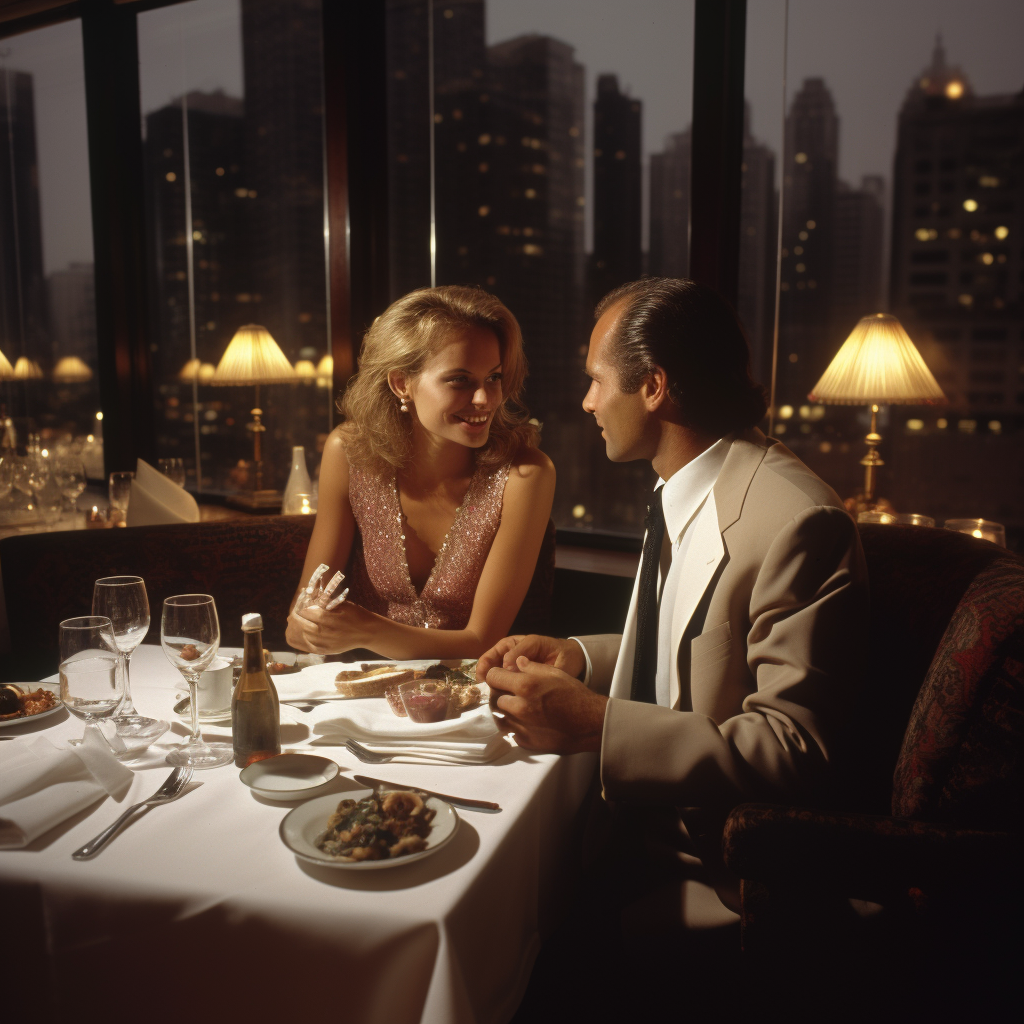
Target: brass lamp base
(253, 501)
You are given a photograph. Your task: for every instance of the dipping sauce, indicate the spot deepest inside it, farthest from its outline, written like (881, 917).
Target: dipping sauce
(426, 707)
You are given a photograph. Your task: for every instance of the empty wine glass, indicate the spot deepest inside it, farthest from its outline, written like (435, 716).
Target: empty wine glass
(121, 490)
(190, 637)
(6, 472)
(91, 687)
(70, 474)
(173, 469)
(123, 600)
(48, 499)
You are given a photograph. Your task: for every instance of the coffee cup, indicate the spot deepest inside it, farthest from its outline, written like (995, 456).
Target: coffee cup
(214, 693)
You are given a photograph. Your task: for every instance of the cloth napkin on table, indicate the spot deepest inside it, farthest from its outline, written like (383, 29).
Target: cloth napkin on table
(42, 785)
(156, 499)
(473, 738)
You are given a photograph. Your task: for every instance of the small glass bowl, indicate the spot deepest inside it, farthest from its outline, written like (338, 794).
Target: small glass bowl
(394, 699)
(426, 700)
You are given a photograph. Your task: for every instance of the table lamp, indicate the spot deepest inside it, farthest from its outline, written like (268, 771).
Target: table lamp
(253, 357)
(71, 370)
(6, 370)
(877, 365)
(27, 369)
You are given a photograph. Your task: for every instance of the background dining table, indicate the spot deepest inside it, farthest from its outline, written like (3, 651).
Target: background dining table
(198, 909)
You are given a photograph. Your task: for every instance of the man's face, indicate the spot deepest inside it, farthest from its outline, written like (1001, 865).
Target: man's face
(623, 418)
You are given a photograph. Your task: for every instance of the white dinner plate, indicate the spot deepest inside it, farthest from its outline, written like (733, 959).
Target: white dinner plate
(290, 776)
(54, 688)
(304, 824)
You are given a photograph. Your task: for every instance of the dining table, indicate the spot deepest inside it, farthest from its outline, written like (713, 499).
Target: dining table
(198, 909)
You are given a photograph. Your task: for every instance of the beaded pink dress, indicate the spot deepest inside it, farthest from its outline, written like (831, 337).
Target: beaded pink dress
(378, 570)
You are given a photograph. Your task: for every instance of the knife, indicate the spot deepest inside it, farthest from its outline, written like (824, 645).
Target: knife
(457, 801)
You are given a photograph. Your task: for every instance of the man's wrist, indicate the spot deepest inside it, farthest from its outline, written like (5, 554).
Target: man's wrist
(584, 674)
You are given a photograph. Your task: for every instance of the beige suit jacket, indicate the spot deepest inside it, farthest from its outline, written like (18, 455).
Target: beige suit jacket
(769, 675)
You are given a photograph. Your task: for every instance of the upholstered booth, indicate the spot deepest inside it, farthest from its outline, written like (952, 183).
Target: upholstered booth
(248, 565)
(911, 908)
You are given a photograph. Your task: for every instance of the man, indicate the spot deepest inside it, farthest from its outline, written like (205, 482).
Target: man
(737, 669)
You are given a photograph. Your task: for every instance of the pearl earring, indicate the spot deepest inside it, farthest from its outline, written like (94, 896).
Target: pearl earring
(405, 405)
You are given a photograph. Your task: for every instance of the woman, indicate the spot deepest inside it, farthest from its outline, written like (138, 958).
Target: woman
(434, 498)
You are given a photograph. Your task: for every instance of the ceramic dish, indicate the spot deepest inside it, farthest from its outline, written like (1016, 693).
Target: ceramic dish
(289, 776)
(184, 712)
(302, 826)
(54, 688)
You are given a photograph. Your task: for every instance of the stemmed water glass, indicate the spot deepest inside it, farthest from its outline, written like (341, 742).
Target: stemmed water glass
(123, 600)
(70, 474)
(190, 637)
(90, 685)
(121, 490)
(173, 469)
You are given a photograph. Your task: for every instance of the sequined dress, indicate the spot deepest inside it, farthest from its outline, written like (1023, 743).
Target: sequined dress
(378, 570)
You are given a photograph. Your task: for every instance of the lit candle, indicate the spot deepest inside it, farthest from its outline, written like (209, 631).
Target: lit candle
(983, 529)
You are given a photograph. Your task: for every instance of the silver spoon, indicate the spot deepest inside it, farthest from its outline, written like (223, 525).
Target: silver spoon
(170, 790)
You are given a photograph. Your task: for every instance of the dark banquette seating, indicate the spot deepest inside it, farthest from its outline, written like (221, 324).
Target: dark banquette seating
(248, 565)
(930, 842)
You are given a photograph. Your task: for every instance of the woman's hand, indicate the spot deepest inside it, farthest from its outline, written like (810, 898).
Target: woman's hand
(330, 632)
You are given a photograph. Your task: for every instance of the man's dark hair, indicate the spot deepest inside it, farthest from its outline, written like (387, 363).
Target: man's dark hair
(693, 334)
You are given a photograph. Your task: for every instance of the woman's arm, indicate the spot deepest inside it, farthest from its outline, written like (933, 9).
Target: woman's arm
(333, 532)
(526, 508)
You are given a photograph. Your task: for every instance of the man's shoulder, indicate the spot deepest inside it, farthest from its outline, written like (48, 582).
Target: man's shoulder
(787, 484)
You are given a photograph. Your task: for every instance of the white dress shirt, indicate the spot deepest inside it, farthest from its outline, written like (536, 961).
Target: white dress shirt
(685, 499)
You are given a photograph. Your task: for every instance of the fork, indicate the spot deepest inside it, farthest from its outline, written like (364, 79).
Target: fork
(170, 790)
(367, 756)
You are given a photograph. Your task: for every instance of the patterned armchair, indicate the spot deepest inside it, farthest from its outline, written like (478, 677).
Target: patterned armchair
(914, 907)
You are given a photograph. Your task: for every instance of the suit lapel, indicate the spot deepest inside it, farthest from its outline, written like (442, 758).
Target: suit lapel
(622, 677)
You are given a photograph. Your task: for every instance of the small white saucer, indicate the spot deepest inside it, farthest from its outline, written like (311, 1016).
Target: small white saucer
(289, 776)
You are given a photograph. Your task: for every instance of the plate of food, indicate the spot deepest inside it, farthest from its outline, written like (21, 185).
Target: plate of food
(369, 829)
(28, 702)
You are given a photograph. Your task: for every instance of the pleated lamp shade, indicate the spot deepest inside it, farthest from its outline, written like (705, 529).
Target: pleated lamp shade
(325, 368)
(877, 365)
(71, 370)
(6, 370)
(305, 370)
(27, 369)
(190, 371)
(253, 357)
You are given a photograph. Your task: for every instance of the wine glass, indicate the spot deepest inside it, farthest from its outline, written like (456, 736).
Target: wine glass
(173, 469)
(123, 600)
(6, 472)
(48, 499)
(190, 636)
(91, 687)
(121, 490)
(70, 473)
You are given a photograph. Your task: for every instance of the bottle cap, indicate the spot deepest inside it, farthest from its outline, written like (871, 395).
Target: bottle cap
(252, 621)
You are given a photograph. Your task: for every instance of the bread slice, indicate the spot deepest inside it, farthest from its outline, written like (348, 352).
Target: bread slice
(370, 684)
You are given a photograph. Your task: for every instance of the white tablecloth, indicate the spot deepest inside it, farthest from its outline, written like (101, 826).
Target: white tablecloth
(198, 908)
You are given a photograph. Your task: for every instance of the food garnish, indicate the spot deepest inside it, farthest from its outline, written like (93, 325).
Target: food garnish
(378, 827)
(16, 703)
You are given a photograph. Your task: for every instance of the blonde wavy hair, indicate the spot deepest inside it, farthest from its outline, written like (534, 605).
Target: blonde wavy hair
(402, 338)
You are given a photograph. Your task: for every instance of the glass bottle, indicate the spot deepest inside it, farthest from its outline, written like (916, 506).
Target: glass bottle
(298, 483)
(255, 711)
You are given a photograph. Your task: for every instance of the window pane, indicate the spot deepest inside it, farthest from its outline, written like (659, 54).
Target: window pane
(545, 125)
(233, 122)
(902, 193)
(47, 302)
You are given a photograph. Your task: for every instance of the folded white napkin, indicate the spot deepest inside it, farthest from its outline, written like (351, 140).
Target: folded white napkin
(473, 738)
(315, 682)
(156, 499)
(42, 785)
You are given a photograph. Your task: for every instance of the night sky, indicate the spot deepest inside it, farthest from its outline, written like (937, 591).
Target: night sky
(868, 52)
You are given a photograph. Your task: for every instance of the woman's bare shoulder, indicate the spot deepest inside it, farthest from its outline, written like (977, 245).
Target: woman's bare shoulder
(533, 466)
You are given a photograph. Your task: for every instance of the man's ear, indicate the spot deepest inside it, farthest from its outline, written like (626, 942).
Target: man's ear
(655, 389)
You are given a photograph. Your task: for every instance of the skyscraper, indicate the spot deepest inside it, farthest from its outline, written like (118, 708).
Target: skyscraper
(857, 261)
(535, 214)
(617, 188)
(72, 295)
(669, 205)
(810, 173)
(958, 217)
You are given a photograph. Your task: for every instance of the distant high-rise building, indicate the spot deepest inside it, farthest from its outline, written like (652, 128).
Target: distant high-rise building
(669, 206)
(535, 214)
(758, 242)
(957, 270)
(618, 159)
(72, 293)
(857, 260)
(810, 175)
(284, 168)
(23, 327)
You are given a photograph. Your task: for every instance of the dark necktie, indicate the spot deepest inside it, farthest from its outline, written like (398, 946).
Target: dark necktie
(645, 658)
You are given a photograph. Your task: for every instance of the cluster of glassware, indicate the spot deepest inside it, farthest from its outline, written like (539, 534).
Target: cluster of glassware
(45, 480)
(95, 658)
